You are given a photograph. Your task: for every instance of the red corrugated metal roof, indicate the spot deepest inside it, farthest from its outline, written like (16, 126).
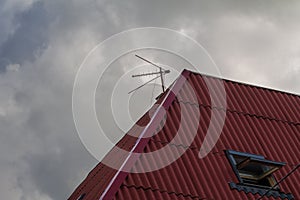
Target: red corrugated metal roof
(258, 120)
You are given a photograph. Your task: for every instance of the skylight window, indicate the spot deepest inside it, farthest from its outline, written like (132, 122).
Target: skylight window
(253, 170)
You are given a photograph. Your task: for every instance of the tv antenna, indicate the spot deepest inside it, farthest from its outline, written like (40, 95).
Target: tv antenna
(159, 74)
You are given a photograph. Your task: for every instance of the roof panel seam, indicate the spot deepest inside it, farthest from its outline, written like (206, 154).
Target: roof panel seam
(240, 112)
(174, 144)
(220, 153)
(163, 191)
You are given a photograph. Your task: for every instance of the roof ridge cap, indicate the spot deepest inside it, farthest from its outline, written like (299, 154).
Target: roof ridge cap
(115, 184)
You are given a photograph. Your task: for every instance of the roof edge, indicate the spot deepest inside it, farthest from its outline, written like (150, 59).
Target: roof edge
(244, 83)
(142, 141)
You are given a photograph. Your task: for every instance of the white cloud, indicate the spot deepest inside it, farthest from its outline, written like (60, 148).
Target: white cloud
(13, 67)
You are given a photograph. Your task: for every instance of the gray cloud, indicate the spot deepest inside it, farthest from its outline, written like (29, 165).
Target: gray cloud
(42, 44)
(30, 38)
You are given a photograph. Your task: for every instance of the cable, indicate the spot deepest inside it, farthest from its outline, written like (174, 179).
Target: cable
(297, 166)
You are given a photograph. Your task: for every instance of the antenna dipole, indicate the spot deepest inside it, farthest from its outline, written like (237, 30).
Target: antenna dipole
(160, 74)
(143, 85)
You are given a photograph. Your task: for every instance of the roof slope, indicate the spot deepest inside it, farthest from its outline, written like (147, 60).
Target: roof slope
(258, 120)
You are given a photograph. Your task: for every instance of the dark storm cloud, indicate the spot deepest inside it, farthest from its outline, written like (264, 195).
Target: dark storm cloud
(45, 42)
(30, 38)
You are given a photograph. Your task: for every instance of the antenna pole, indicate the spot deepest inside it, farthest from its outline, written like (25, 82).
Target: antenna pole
(162, 79)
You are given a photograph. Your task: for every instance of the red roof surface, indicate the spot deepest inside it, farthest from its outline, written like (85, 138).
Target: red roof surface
(258, 121)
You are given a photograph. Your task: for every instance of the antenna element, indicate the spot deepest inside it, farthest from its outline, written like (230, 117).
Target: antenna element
(161, 72)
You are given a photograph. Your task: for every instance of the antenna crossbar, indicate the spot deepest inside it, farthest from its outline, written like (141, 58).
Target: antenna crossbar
(151, 73)
(161, 74)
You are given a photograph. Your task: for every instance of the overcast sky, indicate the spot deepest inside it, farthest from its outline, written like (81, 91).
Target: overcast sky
(43, 43)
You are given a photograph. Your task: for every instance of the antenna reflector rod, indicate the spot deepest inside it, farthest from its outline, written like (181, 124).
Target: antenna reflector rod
(144, 59)
(152, 73)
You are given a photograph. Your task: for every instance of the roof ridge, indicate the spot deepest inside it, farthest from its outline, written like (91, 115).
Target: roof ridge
(98, 170)
(140, 144)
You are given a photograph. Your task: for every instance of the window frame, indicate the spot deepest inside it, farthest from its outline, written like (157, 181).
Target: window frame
(253, 158)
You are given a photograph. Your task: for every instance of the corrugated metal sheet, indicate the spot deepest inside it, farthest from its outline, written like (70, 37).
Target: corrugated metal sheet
(258, 121)
(98, 179)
